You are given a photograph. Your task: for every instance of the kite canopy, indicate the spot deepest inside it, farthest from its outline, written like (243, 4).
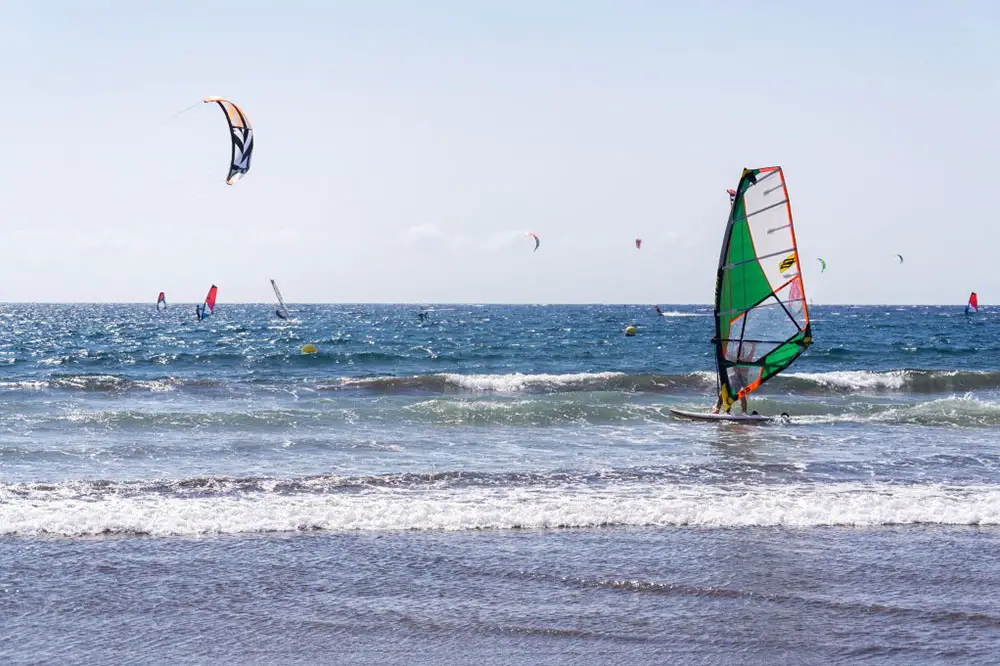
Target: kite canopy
(823, 264)
(761, 318)
(900, 258)
(242, 137)
(537, 242)
(638, 243)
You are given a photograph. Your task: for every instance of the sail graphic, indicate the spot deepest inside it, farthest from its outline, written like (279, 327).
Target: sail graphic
(973, 305)
(282, 311)
(761, 316)
(161, 301)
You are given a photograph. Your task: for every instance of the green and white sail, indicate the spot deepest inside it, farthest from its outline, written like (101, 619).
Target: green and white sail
(761, 316)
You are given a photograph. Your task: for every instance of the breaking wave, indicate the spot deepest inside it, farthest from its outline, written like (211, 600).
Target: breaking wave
(819, 383)
(231, 506)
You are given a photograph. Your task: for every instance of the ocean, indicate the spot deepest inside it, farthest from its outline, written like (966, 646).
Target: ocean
(493, 485)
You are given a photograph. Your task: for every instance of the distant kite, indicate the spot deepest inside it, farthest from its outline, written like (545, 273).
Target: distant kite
(900, 258)
(638, 243)
(537, 242)
(242, 137)
(823, 263)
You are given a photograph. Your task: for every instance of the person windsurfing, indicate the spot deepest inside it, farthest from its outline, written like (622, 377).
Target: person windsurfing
(742, 373)
(281, 315)
(658, 310)
(973, 304)
(718, 405)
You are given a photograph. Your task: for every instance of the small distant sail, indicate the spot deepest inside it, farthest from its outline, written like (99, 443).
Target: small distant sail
(208, 307)
(282, 311)
(537, 241)
(823, 264)
(210, 299)
(732, 196)
(900, 257)
(638, 243)
(973, 305)
(161, 301)
(242, 138)
(761, 317)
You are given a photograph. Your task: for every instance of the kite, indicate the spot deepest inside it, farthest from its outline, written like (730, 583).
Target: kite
(242, 138)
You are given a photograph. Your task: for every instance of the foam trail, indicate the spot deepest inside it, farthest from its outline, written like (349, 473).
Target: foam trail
(382, 509)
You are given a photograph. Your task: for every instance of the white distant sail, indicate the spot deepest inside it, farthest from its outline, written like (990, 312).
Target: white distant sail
(282, 310)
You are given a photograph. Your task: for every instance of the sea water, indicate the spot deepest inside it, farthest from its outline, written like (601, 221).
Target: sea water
(492, 484)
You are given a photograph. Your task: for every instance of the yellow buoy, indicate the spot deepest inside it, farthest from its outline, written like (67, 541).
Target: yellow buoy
(310, 349)
(629, 331)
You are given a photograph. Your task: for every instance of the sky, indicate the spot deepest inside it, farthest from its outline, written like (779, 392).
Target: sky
(404, 150)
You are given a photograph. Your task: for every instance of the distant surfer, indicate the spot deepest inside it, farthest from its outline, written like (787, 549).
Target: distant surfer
(658, 310)
(422, 315)
(281, 315)
(197, 312)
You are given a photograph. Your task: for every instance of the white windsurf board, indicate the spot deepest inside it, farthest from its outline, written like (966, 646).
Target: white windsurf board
(707, 416)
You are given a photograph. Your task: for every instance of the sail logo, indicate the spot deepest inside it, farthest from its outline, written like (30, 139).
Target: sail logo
(787, 263)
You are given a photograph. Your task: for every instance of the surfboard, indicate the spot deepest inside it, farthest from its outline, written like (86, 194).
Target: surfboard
(707, 416)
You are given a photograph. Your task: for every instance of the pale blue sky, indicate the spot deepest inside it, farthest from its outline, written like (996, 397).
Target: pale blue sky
(404, 148)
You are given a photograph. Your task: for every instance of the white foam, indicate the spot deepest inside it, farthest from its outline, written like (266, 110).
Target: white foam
(471, 508)
(858, 379)
(953, 410)
(24, 385)
(519, 382)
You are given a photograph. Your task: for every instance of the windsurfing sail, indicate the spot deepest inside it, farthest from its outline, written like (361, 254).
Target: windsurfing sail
(242, 138)
(210, 301)
(638, 243)
(732, 196)
(761, 316)
(282, 311)
(900, 258)
(823, 264)
(973, 305)
(161, 301)
(537, 242)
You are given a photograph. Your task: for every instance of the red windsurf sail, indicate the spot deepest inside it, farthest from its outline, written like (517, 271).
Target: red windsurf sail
(973, 305)
(210, 299)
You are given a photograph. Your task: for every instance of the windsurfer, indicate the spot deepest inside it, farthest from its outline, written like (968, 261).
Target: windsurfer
(658, 310)
(742, 374)
(718, 405)
(281, 315)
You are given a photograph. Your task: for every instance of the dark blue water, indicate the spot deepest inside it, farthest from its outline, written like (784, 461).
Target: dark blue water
(496, 484)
